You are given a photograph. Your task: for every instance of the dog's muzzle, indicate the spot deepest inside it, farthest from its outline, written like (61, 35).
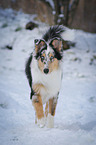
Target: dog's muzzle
(46, 70)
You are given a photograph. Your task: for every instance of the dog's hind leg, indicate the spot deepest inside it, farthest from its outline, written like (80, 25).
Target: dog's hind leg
(37, 103)
(51, 114)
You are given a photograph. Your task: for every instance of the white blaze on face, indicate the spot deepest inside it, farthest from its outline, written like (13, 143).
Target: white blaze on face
(47, 53)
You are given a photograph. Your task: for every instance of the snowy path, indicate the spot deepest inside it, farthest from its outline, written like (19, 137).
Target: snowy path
(75, 120)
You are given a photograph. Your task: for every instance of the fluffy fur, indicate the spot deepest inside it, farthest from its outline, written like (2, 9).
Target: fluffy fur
(44, 73)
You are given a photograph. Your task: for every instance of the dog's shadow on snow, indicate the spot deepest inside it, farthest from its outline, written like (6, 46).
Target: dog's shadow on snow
(77, 126)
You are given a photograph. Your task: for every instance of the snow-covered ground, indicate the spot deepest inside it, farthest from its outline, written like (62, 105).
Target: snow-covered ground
(75, 120)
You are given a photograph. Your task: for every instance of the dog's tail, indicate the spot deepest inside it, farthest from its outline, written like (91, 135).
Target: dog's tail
(53, 32)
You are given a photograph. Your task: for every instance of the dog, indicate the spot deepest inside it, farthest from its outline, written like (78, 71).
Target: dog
(44, 73)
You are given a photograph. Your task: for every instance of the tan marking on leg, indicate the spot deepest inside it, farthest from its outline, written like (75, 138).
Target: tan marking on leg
(37, 103)
(35, 119)
(52, 106)
(46, 109)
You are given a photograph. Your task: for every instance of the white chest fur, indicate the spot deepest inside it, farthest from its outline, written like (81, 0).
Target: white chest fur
(51, 82)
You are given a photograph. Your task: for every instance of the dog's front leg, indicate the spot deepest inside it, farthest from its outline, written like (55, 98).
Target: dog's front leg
(38, 106)
(51, 114)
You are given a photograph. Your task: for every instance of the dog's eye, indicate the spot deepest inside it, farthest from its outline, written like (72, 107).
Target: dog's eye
(42, 58)
(51, 58)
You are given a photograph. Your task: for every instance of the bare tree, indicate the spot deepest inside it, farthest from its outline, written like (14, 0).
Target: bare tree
(61, 11)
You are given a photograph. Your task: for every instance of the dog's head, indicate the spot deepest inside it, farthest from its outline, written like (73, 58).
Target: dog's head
(48, 54)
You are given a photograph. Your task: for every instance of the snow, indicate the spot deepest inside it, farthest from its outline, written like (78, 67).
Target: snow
(75, 120)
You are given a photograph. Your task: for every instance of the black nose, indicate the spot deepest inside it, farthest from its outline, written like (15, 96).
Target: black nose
(46, 70)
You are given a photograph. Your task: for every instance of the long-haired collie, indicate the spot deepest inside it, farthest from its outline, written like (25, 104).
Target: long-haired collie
(44, 73)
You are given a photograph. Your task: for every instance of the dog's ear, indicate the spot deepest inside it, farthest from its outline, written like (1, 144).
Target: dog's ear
(36, 41)
(57, 44)
(38, 44)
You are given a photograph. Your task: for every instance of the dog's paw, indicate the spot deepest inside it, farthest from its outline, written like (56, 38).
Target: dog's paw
(50, 121)
(41, 122)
